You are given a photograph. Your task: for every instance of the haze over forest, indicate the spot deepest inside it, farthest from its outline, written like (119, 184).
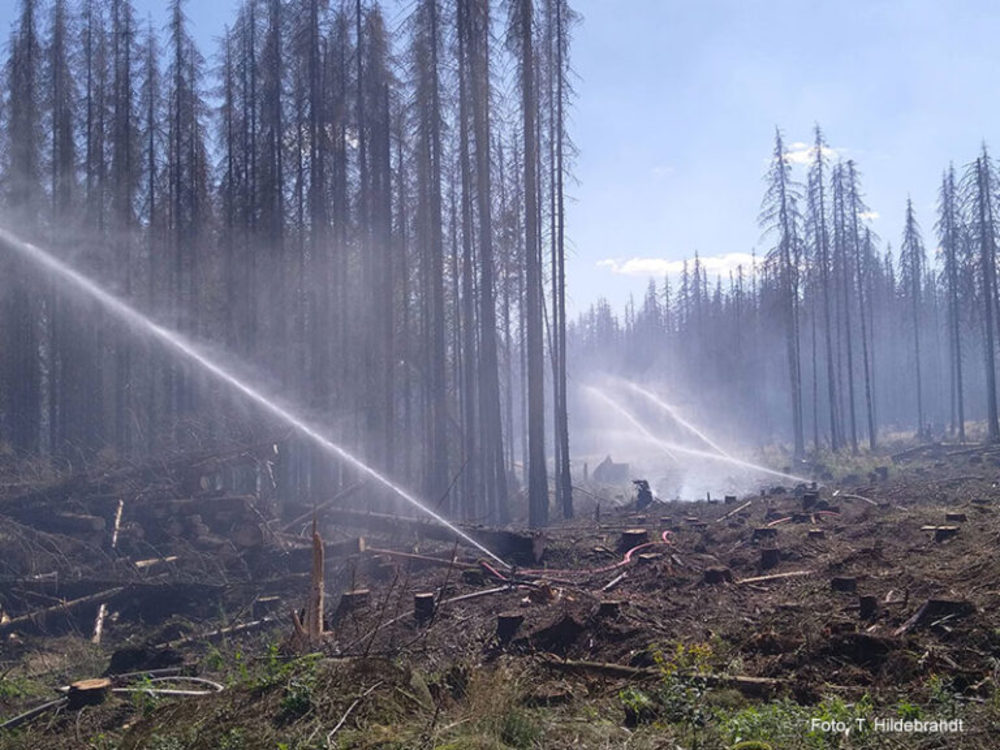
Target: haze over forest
(369, 220)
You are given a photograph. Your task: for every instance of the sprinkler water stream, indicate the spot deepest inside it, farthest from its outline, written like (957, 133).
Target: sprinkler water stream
(669, 447)
(678, 418)
(187, 349)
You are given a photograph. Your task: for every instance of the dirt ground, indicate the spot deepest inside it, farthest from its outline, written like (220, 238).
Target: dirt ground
(695, 624)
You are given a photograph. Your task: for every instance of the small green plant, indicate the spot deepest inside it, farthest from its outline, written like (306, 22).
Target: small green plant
(101, 742)
(10, 688)
(242, 669)
(143, 701)
(781, 722)
(214, 661)
(234, 739)
(683, 700)
(518, 729)
(165, 743)
(683, 686)
(942, 696)
(696, 657)
(907, 710)
(297, 700)
(639, 707)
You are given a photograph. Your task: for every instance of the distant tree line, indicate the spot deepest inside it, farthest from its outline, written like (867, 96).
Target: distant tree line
(830, 339)
(371, 218)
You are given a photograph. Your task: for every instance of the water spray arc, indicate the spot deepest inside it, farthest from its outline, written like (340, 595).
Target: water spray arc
(668, 447)
(678, 418)
(187, 349)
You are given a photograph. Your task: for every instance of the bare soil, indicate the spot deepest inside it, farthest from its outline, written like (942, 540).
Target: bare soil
(852, 599)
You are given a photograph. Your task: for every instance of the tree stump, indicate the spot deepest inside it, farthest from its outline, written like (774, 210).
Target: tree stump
(941, 533)
(246, 535)
(386, 570)
(88, 693)
(718, 575)
(474, 577)
(666, 520)
(867, 607)
(844, 583)
(423, 606)
(265, 605)
(769, 557)
(632, 538)
(610, 608)
(764, 532)
(809, 499)
(956, 517)
(730, 499)
(351, 600)
(508, 624)
(817, 534)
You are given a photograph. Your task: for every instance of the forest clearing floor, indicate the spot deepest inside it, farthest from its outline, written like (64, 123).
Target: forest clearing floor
(744, 623)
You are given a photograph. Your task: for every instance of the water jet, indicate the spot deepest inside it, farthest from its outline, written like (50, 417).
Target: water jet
(187, 349)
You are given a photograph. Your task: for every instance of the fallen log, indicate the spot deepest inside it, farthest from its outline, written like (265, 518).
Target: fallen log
(733, 512)
(244, 627)
(142, 564)
(516, 546)
(444, 562)
(857, 497)
(914, 451)
(342, 495)
(775, 577)
(301, 557)
(935, 610)
(614, 582)
(746, 684)
(57, 608)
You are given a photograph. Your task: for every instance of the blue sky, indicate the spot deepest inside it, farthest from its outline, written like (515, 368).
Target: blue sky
(677, 103)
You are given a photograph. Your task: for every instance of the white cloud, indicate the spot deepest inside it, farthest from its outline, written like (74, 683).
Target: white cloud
(868, 215)
(804, 153)
(714, 265)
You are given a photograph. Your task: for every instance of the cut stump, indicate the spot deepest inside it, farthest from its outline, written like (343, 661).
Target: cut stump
(867, 607)
(88, 692)
(718, 575)
(769, 557)
(508, 624)
(844, 583)
(423, 606)
(632, 538)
